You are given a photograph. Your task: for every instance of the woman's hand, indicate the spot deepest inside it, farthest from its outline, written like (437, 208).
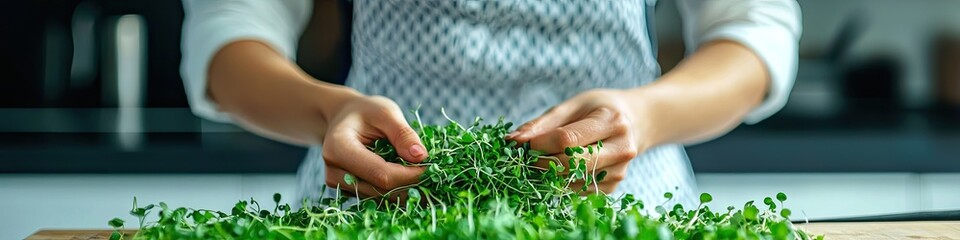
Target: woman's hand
(355, 125)
(268, 94)
(597, 115)
(705, 96)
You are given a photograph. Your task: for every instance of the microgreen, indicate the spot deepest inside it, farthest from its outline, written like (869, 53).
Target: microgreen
(476, 185)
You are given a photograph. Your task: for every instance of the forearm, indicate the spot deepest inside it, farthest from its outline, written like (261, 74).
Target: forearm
(707, 95)
(268, 94)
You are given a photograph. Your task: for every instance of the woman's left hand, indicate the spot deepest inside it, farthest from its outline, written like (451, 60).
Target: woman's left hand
(610, 116)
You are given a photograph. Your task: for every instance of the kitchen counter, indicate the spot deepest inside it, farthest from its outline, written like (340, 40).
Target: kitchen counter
(73, 234)
(945, 230)
(154, 140)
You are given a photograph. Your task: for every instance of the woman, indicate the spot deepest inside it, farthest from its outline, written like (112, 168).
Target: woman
(588, 66)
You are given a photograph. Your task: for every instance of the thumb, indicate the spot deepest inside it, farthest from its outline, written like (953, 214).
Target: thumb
(404, 139)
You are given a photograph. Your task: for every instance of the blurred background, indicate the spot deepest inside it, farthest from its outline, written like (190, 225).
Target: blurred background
(93, 112)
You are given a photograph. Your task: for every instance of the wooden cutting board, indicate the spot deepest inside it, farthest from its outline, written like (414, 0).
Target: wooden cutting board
(939, 230)
(74, 234)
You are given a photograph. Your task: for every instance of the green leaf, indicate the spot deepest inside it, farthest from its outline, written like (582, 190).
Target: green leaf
(116, 235)
(349, 179)
(116, 223)
(467, 137)
(198, 217)
(601, 175)
(413, 193)
(568, 151)
(668, 195)
(661, 210)
(705, 198)
(536, 153)
(578, 150)
(751, 212)
(626, 201)
(785, 213)
(781, 196)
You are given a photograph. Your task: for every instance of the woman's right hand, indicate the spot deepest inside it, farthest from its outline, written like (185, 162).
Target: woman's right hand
(356, 124)
(268, 94)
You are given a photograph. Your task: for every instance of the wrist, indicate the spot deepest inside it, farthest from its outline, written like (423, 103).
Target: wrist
(647, 108)
(328, 99)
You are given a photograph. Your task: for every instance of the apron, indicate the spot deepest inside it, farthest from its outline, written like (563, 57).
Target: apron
(513, 59)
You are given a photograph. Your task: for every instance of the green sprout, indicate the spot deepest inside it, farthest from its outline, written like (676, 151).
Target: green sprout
(476, 185)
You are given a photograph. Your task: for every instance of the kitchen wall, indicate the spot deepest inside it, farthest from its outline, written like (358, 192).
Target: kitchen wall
(32, 202)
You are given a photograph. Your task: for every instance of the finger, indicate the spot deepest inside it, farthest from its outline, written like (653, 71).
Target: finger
(614, 151)
(343, 150)
(402, 137)
(599, 124)
(359, 188)
(554, 117)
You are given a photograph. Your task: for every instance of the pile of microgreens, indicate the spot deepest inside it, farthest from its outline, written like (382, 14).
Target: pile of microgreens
(476, 185)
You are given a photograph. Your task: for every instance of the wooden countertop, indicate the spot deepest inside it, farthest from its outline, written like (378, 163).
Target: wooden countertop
(939, 230)
(51, 234)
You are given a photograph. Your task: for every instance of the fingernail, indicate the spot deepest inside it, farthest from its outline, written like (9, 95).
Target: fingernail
(417, 151)
(512, 134)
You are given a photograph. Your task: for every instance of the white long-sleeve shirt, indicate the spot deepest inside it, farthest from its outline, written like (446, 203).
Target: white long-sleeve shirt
(502, 58)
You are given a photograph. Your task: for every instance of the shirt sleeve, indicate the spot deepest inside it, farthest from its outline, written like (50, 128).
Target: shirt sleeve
(771, 28)
(210, 25)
